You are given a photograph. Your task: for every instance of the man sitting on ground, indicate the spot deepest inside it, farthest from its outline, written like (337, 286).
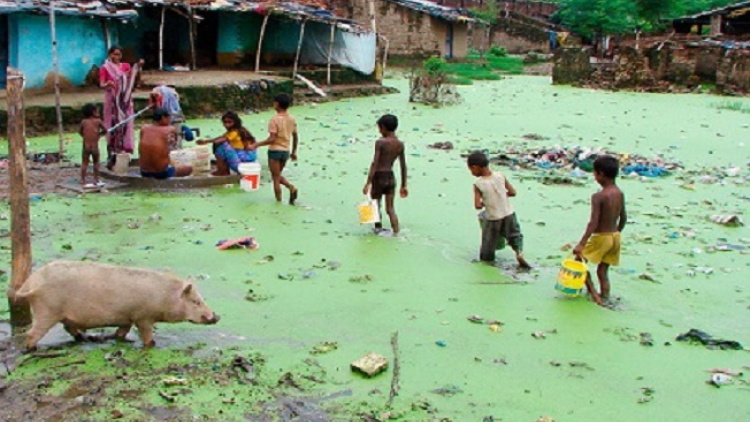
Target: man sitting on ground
(154, 146)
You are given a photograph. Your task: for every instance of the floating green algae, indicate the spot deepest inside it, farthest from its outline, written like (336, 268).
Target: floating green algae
(423, 283)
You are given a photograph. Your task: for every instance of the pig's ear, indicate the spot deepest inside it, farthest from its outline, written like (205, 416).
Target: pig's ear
(186, 291)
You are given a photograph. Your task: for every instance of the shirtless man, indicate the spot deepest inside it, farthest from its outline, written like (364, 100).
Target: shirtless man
(381, 180)
(600, 243)
(154, 147)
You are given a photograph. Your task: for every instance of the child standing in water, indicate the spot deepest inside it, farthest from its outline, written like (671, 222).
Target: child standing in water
(91, 130)
(600, 243)
(498, 219)
(381, 180)
(282, 130)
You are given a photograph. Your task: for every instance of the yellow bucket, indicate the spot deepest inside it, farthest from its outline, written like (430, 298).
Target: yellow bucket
(572, 277)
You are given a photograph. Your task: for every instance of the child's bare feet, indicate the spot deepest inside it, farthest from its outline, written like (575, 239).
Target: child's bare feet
(293, 196)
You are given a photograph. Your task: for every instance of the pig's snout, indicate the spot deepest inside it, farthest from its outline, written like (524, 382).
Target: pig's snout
(212, 320)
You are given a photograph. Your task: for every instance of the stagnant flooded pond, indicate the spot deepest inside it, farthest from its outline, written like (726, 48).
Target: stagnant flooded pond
(319, 276)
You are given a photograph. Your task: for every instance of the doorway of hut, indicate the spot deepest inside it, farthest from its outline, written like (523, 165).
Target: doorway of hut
(207, 40)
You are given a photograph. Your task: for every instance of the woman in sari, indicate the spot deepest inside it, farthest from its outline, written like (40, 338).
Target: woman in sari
(232, 148)
(118, 81)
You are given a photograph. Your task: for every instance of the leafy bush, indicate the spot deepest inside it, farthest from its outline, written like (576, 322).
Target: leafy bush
(434, 66)
(497, 51)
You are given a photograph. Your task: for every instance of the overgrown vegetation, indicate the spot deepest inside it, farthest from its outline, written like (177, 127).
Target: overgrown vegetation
(738, 106)
(593, 18)
(476, 67)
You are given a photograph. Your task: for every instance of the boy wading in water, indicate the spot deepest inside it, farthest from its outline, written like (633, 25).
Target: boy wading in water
(381, 180)
(600, 243)
(282, 131)
(91, 130)
(498, 220)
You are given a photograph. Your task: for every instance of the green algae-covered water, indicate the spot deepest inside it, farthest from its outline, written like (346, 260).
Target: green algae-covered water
(330, 280)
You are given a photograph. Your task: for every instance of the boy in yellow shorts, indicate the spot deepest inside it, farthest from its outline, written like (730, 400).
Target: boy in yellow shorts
(600, 243)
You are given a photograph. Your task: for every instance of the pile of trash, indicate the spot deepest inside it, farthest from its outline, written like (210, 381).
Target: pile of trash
(577, 162)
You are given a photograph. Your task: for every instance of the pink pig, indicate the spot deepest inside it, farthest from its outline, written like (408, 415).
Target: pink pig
(85, 295)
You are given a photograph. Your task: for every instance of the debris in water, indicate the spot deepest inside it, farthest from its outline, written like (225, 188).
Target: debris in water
(720, 380)
(727, 220)
(647, 339)
(361, 279)
(441, 343)
(324, 347)
(172, 381)
(698, 336)
(370, 364)
(475, 319)
(166, 396)
(539, 335)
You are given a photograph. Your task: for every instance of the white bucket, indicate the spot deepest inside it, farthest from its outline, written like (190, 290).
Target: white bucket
(250, 173)
(122, 163)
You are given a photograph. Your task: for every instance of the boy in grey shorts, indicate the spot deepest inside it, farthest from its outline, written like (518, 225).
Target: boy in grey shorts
(498, 219)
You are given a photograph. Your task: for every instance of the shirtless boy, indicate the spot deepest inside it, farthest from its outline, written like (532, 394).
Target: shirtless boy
(154, 147)
(381, 180)
(91, 130)
(600, 243)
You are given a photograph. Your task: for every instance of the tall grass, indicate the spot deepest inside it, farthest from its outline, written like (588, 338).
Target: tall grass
(733, 106)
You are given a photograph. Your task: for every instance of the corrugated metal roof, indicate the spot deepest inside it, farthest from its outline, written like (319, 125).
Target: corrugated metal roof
(721, 10)
(433, 9)
(103, 9)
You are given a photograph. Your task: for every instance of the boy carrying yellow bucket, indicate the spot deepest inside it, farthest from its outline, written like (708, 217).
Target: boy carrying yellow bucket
(600, 243)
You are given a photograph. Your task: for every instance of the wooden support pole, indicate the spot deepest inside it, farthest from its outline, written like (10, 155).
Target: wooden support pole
(56, 69)
(385, 56)
(373, 22)
(161, 38)
(299, 47)
(20, 216)
(107, 35)
(330, 53)
(191, 28)
(260, 42)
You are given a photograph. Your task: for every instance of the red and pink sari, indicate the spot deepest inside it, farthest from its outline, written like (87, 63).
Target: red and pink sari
(118, 104)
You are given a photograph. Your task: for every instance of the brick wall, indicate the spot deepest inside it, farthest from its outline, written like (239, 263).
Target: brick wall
(674, 67)
(409, 32)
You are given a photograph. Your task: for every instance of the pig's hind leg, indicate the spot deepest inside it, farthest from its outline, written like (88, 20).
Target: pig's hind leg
(42, 324)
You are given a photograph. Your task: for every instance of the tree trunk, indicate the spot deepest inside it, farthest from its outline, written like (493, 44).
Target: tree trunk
(20, 217)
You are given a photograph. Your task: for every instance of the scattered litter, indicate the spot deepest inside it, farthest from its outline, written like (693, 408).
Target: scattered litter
(647, 339)
(647, 395)
(725, 371)
(475, 319)
(441, 343)
(720, 380)
(731, 220)
(239, 243)
(698, 336)
(370, 364)
(360, 279)
(648, 277)
(172, 381)
(441, 145)
(266, 259)
(324, 347)
(448, 390)
(539, 335)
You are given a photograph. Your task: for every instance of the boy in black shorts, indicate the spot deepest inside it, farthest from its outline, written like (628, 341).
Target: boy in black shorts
(381, 179)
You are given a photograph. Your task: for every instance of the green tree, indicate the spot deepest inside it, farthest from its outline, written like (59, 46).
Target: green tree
(592, 18)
